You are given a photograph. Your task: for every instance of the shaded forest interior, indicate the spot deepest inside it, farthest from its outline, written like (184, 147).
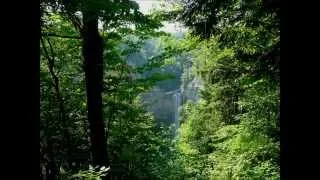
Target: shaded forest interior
(123, 95)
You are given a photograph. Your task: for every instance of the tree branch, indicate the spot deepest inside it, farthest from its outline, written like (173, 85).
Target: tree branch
(270, 53)
(61, 36)
(62, 113)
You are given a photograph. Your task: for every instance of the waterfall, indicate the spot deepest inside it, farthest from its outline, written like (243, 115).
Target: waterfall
(177, 102)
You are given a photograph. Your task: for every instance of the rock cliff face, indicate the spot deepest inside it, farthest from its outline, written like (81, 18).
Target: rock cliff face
(165, 99)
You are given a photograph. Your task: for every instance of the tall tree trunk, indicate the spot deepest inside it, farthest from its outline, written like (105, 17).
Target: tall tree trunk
(93, 67)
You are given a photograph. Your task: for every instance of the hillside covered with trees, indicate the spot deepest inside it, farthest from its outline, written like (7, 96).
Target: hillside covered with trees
(121, 98)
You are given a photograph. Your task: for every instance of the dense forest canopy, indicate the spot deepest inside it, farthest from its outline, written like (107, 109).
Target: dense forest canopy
(121, 98)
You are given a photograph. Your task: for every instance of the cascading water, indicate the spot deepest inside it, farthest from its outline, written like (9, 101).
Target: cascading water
(177, 103)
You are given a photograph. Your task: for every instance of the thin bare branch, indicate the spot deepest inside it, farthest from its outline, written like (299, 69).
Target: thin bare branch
(61, 36)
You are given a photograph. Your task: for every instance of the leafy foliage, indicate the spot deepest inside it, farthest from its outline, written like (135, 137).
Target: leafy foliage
(128, 124)
(232, 132)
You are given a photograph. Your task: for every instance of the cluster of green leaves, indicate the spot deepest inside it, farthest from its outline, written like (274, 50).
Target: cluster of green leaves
(134, 142)
(90, 174)
(233, 131)
(136, 145)
(63, 125)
